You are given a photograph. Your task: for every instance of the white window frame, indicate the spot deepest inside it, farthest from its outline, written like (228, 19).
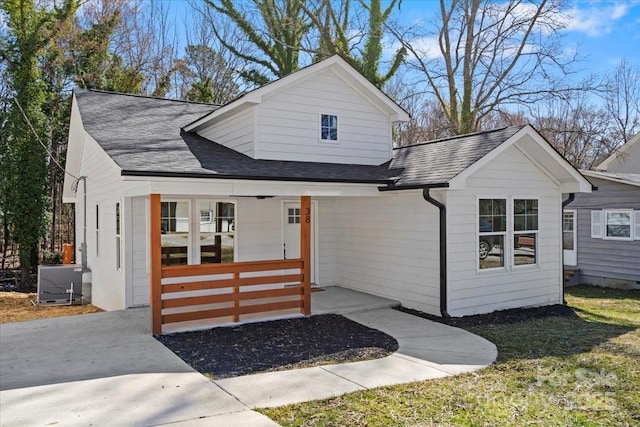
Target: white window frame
(189, 224)
(196, 249)
(515, 233)
(509, 235)
(605, 214)
(331, 141)
(504, 233)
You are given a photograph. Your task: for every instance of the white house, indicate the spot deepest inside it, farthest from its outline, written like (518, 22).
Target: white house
(403, 223)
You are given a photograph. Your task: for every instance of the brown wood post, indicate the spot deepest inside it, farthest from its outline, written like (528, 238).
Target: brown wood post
(155, 249)
(305, 252)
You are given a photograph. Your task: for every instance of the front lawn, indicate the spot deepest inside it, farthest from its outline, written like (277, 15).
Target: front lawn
(582, 369)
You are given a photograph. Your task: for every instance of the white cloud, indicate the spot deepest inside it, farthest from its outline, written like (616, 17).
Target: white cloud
(596, 20)
(426, 47)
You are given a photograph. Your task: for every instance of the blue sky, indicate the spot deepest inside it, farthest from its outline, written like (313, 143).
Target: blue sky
(602, 31)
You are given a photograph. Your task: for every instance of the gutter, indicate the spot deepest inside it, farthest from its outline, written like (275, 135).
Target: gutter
(160, 174)
(443, 250)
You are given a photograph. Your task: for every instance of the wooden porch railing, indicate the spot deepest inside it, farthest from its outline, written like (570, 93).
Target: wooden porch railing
(232, 286)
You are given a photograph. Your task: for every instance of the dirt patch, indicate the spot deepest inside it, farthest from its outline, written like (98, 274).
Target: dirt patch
(18, 307)
(279, 345)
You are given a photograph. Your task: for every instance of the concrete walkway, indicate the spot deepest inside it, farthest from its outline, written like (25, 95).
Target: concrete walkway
(427, 350)
(106, 369)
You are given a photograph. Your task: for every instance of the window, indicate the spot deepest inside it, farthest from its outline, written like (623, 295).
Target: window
(217, 236)
(118, 239)
(615, 224)
(174, 223)
(568, 233)
(328, 127)
(618, 224)
(293, 215)
(525, 231)
(492, 228)
(97, 230)
(206, 216)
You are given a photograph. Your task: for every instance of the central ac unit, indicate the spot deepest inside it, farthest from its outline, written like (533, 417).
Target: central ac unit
(59, 284)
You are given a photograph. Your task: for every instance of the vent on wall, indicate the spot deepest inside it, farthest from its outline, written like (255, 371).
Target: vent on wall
(59, 284)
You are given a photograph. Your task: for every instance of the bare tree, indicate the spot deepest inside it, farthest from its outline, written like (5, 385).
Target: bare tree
(622, 100)
(483, 56)
(580, 131)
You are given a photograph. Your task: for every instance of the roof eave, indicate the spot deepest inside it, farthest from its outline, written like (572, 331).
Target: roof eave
(413, 186)
(204, 175)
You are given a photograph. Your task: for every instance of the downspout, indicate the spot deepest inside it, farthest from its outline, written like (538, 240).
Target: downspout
(571, 198)
(83, 245)
(443, 251)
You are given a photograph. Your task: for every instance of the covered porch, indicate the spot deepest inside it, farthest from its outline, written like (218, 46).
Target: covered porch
(225, 292)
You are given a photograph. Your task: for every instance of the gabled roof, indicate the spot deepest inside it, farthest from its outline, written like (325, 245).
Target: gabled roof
(449, 162)
(136, 130)
(143, 136)
(341, 67)
(620, 151)
(435, 163)
(623, 178)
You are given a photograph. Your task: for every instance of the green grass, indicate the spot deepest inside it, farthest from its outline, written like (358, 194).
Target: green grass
(581, 370)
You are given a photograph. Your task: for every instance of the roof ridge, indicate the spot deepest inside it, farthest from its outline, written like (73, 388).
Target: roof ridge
(108, 92)
(450, 138)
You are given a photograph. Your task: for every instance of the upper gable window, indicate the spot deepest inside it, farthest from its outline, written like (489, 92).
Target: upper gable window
(328, 127)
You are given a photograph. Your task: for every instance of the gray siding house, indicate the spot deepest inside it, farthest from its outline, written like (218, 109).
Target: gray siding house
(602, 229)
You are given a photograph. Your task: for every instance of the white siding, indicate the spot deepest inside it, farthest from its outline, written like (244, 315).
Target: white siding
(472, 291)
(139, 264)
(327, 218)
(289, 124)
(104, 188)
(260, 233)
(235, 132)
(388, 246)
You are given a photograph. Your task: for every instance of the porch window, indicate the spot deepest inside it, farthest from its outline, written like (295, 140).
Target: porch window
(328, 127)
(217, 236)
(492, 230)
(525, 231)
(174, 223)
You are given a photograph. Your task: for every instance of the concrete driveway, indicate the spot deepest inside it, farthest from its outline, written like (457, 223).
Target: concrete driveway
(105, 369)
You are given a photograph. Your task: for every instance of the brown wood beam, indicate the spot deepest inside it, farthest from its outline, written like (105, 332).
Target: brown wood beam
(305, 252)
(155, 249)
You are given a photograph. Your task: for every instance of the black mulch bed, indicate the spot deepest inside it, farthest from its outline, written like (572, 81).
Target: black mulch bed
(278, 345)
(501, 317)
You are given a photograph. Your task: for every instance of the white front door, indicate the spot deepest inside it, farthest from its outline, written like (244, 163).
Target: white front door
(291, 233)
(569, 240)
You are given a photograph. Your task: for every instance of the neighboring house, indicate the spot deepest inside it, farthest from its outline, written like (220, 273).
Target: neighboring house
(401, 223)
(602, 229)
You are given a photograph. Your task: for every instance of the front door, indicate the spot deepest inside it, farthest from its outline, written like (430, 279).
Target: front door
(569, 241)
(291, 233)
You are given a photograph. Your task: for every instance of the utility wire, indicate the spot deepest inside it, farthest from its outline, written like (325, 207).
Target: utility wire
(51, 156)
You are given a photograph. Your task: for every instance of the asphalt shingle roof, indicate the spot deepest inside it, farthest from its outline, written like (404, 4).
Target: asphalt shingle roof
(144, 136)
(437, 162)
